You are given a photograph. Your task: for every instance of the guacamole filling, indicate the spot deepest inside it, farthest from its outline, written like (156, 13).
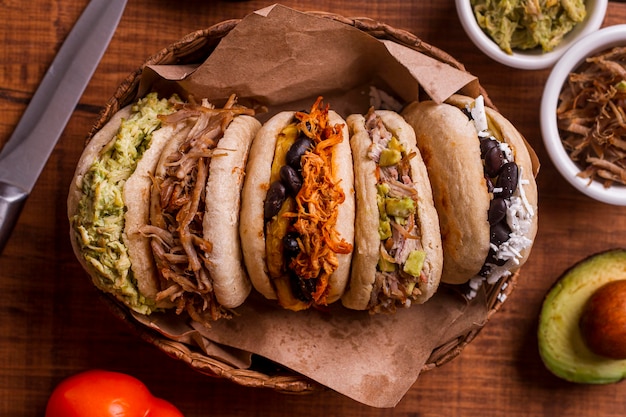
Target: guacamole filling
(99, 222)
(528, 24)
(400, 266)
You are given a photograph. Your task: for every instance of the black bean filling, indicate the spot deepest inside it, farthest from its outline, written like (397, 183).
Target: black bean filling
(502, 180)
(289, 185)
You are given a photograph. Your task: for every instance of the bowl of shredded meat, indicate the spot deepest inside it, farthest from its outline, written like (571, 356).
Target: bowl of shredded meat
(583, 115)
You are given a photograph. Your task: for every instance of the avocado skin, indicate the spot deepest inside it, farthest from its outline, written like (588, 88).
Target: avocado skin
(561, 345)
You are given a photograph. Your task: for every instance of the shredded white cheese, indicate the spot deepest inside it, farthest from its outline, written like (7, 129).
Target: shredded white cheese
(479, 115)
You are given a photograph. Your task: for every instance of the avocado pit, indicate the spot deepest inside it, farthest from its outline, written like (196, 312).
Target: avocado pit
(603, 321)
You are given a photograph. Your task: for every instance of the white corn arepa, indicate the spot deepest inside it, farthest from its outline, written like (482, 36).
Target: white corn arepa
(222, 207)
(505, 131)
(256, 185)
(135, 194)
(450, 148)
(367, 239)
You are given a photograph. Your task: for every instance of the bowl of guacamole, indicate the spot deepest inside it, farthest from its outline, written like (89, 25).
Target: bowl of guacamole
(529, 34)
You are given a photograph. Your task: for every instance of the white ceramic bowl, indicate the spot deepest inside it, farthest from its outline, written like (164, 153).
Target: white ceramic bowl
(596, 42)
(532, 59)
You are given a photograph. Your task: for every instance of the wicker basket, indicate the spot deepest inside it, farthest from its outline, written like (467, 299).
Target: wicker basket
(195, 48)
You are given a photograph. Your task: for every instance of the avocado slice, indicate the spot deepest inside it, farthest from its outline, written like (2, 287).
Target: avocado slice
(561, 345)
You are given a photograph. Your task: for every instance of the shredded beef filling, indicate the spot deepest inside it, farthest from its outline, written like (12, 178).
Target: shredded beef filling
(178, 246)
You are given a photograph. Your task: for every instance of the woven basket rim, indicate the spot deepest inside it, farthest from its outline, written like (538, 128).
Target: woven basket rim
(200, 43)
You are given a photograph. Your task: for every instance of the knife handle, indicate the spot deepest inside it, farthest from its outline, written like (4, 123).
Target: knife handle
(12, 201)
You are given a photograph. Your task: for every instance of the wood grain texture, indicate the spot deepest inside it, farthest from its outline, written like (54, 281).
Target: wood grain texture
(54, 324)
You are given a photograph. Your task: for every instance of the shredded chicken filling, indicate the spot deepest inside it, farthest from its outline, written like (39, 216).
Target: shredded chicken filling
(318, 204)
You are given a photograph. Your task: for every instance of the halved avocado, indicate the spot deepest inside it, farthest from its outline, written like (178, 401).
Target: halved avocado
(561, 345)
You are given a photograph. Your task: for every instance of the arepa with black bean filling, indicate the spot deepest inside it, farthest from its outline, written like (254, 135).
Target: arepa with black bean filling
(482, 176)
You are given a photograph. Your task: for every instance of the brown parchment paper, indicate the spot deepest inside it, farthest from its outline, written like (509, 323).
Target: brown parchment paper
(373, 359)
(283, 59)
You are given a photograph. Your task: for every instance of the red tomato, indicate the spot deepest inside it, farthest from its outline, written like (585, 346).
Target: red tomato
(99, 393)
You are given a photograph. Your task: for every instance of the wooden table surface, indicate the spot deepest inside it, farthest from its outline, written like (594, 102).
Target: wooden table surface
(53, 322)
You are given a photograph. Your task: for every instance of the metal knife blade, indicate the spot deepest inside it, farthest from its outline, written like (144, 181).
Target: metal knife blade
(24, 156)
